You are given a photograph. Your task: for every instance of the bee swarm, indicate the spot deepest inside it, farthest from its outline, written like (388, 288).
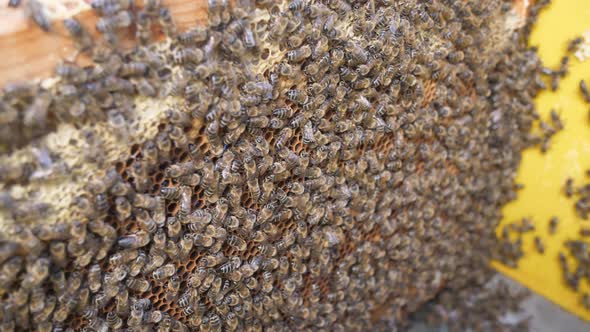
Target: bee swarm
(319, 165)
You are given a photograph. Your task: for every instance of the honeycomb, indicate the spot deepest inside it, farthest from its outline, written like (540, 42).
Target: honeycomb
(359, 193)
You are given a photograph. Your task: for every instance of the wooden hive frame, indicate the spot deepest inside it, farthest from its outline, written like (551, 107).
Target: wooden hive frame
(31, 53)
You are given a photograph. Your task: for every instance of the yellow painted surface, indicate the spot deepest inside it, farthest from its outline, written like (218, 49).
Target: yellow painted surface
(569, 156)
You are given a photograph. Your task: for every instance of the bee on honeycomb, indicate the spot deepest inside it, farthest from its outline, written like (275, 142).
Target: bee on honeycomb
(299, 165)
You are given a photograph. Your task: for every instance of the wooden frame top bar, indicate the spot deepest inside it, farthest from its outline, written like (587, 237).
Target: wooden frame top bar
(29, 52)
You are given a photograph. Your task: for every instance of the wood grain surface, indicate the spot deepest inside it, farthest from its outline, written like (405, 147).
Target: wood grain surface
(27, 52)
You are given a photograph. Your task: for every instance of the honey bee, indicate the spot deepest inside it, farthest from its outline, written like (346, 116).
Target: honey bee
(64, 309)
(186, 245)
(122, 302)
(569, 187)
(58, 231)
(284, 137)
(202, 217)
(188, 55)
(43, 315)
(143, 33)
(236, 242)
(247, 271)
(276, 123)
(186, 299)
(214, 322)
(90, 314)
(194, 36)
(181, 169)
(258, 122)
(58, 281)
(264, 164)
(36, 113)
(249, 38)
(145, 88)
(296, 188)
(94, 278)
(164, 272)
(300, 119)
(277, 28)
(287, 70)
(234, 46)
(108, 7)
(185, 204)
(584, 90)
(214, 15)
(545, 144)
(322, 46)
(586, 301)
(122, 257)
(20, 90)
(177, 117)
(134, 241)
(172, 288)
(57, 251)
(37, 272)
(36, 302)
(300, 54)
(167, 23)
(265, 214)
(152, 6)
(136, 261)
(36, 11)
(121, 188)
(20, 296)
(555, 82)
(113, 320)
(138, 284)
(136, 316)
(564, 66)
(133, 68)
(159, 213)
(71, 72)
(144, 201)
(208, 262)
(265, 193)
(553, 222)
(122, 19)
(296, 40)
(122, 208)
(296, 5)
(173, 227)
(154, 316)
(150, 152)
(539, 246)
(254, 188)
(171, 193)
(178, 326)
(155, 260)
(8, 114)
(178, 136)
(171, 249)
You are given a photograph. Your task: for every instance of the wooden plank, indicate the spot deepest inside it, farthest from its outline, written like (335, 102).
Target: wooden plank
(29, 52)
